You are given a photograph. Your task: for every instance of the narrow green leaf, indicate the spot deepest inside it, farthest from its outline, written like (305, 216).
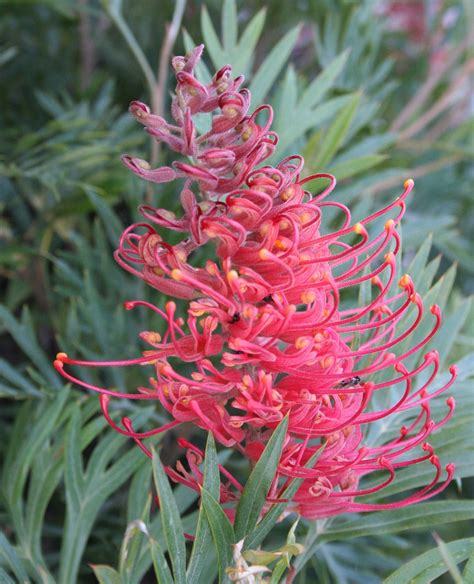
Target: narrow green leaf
(272, 65)
(11, 559)
(258, 483)
(221, 529)
(229, 26)
(263, 528)
(420, 516)
(106, 574)
(336, 133)
(171, 521)
(73, 471)
(211, 40)
(468, 572)
(109, 219)
(318, 88)
(162, 571)
(203, 541)
(430, 565)
(248, 41)
(449, 560)
(355, 166)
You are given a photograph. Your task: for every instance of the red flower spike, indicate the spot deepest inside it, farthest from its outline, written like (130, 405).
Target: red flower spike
(269, 307)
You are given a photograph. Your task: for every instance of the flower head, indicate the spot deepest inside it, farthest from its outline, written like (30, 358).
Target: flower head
(273, 327)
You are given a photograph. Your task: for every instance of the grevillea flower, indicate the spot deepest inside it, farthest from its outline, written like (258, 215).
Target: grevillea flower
(273, 327)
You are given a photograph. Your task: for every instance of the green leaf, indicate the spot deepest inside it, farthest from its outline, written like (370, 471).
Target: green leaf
(106, 574)
(413, 517)
(221, 529)
(272, 65)
(253, 496)
(110, 221)
(11, 559)
(430, 565)
(318, 88)
(355, 166)
(203, 541)
(449, 560)
(468, 572)
(263, 528)
(162, 571)
(171, 521)
(336, 133)
(248, 41)
(211, 40)
(229, 26)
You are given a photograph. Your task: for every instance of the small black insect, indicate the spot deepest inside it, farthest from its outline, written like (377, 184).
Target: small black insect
(234, 318)
(268, 298)
(350, 382)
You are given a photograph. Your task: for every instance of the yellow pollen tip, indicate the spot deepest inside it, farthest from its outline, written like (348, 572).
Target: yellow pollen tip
(279, 244)
(404, 281)
(264, 254)
(308, 296)
(389, 257)
(389, 224)
(358, 228)
(409, 183)
(301, 343)
(177, 274)
(61, 357)
(143, 164)
(287, 194)
(232, 276)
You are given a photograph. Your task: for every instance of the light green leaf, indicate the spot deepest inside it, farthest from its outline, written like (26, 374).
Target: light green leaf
(413, 517)
(106, 574)
(229, 26)
(248, 41)
(171, 521)
(430, 565)
(318, 88)
(253, 496)
(272, 65)
(336, 133)
(355, 166)
(11, 559)
(211, 40)
(449, 560)
(162, 571)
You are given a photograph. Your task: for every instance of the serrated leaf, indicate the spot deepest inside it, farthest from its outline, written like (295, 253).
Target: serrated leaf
(222, 531)
(171, 521)
(430, 565)
(272, 65)
(253, 496)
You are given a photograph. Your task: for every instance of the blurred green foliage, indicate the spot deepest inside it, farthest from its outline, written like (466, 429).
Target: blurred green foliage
(368, 101)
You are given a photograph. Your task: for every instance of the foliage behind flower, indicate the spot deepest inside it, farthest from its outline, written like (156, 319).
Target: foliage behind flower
(266, 329)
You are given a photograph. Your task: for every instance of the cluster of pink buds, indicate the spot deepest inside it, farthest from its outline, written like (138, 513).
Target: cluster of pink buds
(266, 330)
